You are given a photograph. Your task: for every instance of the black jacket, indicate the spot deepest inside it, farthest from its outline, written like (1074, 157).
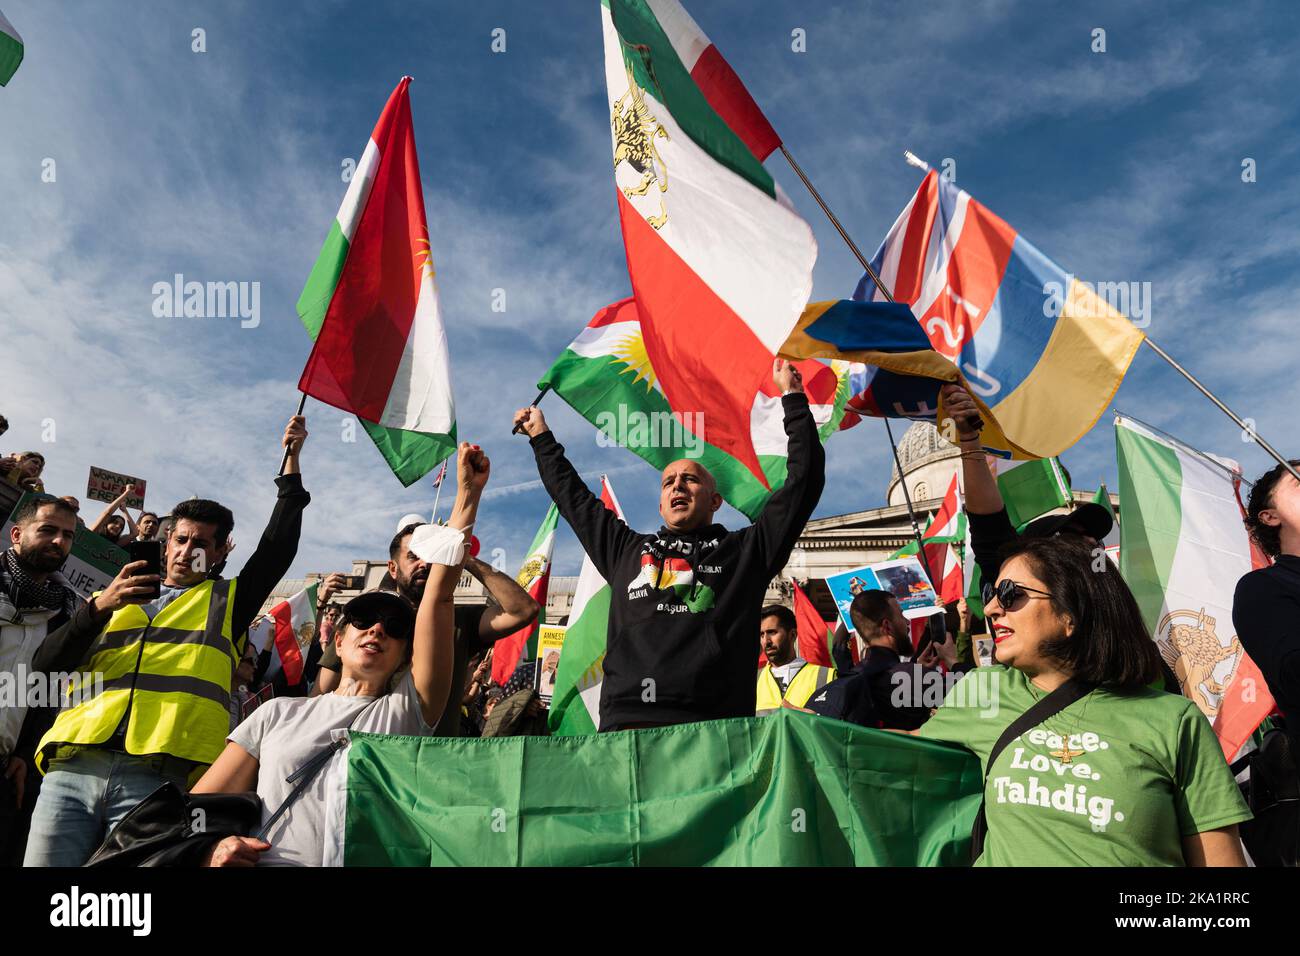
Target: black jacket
(684, 611)
(882, 691)
(1266, 616)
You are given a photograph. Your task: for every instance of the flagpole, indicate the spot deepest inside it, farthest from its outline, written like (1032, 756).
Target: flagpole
(302, 403)
(437, 494)
(853, 246)
(913, 160)
(1258, 438)
(536, 401)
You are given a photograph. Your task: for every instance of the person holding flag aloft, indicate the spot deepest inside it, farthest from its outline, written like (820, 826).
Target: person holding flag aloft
(685, 600)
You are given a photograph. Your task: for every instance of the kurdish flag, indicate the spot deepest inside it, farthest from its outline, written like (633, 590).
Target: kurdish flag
(1045, 351)
(607, 376)
(295, 626)
(720, 267)
(720, 792)
(1183, 548)
(371, 307)
(11, 50)
(534, 576)
(575, 708)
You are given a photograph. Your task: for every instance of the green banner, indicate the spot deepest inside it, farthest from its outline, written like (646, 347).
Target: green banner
(789, 789)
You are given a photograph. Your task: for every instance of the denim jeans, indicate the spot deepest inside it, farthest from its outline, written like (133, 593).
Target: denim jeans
(83, 797)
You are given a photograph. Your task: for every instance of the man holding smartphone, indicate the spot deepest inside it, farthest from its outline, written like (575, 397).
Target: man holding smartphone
(155, 705)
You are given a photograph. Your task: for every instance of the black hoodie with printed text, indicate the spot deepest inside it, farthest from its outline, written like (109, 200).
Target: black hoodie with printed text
(684, 607)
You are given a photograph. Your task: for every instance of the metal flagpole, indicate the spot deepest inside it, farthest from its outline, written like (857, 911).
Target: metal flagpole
(913, 160)
(1259, 439)
(853, 246)
(437, 495)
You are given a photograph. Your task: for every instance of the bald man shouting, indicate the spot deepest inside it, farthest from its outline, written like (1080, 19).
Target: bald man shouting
(685, 601)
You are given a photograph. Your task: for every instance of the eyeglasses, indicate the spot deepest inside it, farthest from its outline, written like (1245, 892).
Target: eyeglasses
(1009, 593)
(394, 626)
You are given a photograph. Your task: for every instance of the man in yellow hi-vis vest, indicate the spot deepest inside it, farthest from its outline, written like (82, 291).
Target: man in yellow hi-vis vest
(153, 702)
(786, 676)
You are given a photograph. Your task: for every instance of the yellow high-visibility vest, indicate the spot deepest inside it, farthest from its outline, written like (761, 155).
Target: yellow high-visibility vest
(810, 679)
(172, 674)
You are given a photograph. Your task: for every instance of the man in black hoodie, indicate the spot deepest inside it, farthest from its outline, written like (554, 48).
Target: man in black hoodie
(685, 601)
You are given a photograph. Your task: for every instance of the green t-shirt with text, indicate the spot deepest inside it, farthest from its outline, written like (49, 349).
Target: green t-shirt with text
(1143, 771)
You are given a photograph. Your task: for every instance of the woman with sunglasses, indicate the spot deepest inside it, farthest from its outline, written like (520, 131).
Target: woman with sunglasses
(1125, 775)
(379, 634)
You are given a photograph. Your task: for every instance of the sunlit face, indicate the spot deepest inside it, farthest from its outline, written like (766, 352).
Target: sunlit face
(370, 653)
(776, 643)
(45, 542)
(114, 527)
(1020, 631)
(192, 551)
(688, 495)
(148, 525)
(1284, 509)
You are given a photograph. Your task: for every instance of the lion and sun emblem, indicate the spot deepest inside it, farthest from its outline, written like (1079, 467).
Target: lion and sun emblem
(635, 130)
(1192, 649)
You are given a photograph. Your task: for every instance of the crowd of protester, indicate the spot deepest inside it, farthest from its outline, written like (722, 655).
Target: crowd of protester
(196, 706)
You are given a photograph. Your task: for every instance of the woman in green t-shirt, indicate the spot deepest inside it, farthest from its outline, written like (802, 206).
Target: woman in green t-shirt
(1125, 775)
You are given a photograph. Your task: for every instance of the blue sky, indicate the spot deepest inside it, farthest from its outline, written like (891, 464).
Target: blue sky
(226, 166)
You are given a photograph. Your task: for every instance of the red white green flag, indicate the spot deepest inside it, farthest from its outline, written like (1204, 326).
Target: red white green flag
(608, 378)
(371, 307)
(575, 708)
(721, 269)
(534, 576)
(295, 626)
(715, 78)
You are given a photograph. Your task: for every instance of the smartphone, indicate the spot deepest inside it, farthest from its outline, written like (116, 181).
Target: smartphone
(151, 553)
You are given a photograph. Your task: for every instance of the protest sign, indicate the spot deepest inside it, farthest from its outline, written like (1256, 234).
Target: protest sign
(105, 485)
(94, 560)
(550, 640)
(903, 578)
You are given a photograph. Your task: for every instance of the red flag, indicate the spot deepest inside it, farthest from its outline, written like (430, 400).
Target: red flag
(814, 633)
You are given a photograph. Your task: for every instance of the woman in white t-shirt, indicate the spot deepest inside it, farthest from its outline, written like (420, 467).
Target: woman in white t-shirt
(380, 634)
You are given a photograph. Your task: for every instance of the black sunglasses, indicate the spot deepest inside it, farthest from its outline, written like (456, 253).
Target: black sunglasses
(394, 626)
(1007, 592)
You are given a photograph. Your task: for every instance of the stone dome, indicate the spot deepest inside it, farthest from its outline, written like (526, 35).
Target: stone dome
(928, 462)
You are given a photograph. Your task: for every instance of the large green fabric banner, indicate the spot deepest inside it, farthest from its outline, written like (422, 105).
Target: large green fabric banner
(787, 789)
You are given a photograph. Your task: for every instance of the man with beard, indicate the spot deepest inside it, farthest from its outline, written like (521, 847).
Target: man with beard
(786, 677)
(882, 690)
(36, 605)
(154, 704)
(477, 628)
